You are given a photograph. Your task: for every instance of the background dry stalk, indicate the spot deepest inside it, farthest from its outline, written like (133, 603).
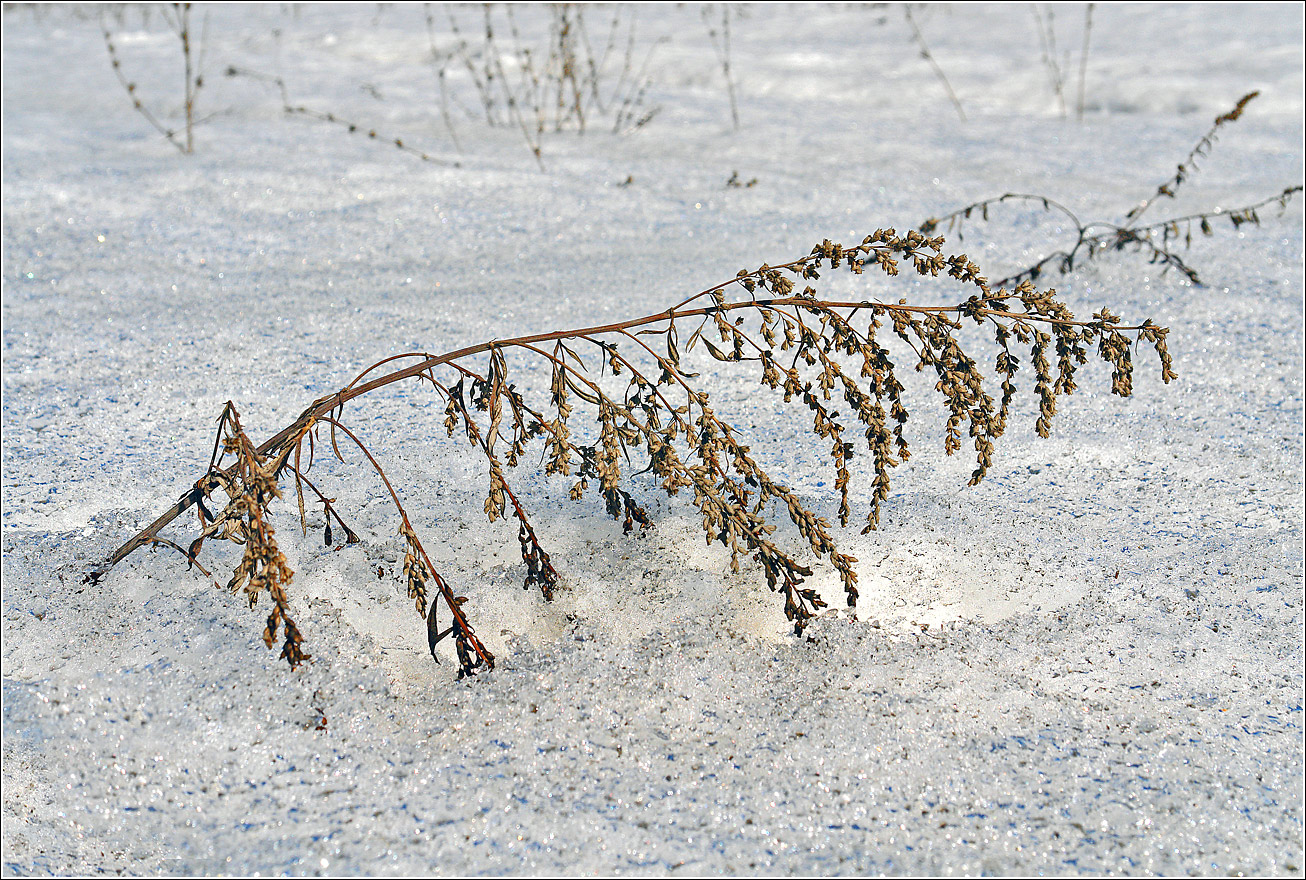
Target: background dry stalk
(813, 350)
(1156, 240)
(177, 15)
(1083, 59)
(1044, 21)
(721, 46)
(440, 64)
(563, 85)
(924, 47)
(290, 108)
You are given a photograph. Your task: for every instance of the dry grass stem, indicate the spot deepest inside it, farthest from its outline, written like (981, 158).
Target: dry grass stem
(1083, 60)
(1044, 21)
(721, 46)
(565, 83)
(290, 108)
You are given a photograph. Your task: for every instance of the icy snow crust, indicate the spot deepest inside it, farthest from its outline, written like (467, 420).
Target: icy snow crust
(1111, 675)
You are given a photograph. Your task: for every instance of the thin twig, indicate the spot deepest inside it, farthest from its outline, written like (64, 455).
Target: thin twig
(1083, 60)
(934, 65)
(1097, 237)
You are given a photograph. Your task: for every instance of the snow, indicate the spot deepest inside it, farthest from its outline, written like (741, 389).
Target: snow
(1090, 662)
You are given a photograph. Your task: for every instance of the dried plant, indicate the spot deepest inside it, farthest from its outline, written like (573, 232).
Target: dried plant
(564, 84)
(1044, 21)
(291, 108)
(250, 484)
(440, 64)
(1157, 240)
(650, 415)
(177, 15)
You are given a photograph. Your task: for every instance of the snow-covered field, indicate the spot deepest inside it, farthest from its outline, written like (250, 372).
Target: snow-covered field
(1091, 662)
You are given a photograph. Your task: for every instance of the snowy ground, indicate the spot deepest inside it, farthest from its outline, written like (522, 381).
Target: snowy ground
(1111, 678)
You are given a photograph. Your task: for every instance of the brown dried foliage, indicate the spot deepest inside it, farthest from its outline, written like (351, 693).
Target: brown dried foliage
(250, 484)
(1157, 240)
(832, 356)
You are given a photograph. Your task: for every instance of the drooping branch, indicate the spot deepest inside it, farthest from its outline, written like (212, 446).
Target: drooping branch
(803, 346)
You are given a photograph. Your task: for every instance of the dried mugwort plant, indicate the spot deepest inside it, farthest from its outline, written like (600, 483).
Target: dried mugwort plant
(1158, 240)
(831, 358)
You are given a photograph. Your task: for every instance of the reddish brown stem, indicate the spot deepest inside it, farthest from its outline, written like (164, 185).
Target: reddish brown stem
(445, 590)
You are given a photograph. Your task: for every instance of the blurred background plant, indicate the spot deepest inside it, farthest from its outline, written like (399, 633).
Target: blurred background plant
(177, 16)
(559, 72)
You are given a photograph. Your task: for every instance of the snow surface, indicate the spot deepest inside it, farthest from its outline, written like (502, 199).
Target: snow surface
(1091, 662)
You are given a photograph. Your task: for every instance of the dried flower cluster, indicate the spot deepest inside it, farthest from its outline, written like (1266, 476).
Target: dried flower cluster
(250, 485)
(1156, 240)
(833, 357)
